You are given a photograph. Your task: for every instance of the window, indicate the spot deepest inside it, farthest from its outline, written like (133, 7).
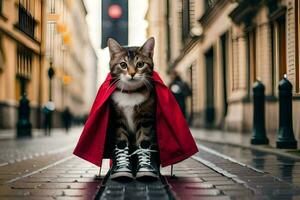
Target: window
(168, 30)
(281, 47)
(24, 62)
(297, 45)
(185, 19)
(224, 45)
(26, 22)
(252, 56)
(210, 104)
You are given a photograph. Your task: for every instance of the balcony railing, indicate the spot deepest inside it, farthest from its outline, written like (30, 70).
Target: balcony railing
(26, 22)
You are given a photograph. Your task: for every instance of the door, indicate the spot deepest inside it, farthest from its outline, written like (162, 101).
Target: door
(210, 108)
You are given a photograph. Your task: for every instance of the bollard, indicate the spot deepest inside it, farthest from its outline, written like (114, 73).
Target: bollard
(23, 124)
(259, 130)
(286, 138)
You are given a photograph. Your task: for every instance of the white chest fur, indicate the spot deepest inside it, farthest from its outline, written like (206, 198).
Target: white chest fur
(127, 101)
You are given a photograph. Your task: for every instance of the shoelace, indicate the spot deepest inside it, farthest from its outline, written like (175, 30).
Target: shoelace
(122, 157)
(144, 156)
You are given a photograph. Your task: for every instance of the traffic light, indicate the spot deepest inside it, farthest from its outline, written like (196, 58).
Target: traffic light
(114, 21)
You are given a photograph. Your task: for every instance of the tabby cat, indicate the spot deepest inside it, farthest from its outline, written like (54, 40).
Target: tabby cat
(133, 107)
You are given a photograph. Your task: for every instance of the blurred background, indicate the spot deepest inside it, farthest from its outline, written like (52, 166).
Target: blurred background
(53, 57)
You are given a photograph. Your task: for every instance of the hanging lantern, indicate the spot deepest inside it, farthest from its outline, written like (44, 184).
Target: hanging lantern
(61, 27)
(67, 39)
(67, 79)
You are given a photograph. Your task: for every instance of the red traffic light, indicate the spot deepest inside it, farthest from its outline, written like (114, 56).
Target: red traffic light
(114, 11)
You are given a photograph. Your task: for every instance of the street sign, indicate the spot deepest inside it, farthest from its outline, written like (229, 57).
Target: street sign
(114, 21)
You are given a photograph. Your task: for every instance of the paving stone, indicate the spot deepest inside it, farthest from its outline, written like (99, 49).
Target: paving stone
(190, 197)
(238, 193)
(215, 178)
(185, 179)
(230, 187)
(197, 192)
(192, 185)
(226, 182)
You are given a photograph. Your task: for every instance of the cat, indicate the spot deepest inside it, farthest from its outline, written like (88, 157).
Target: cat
(133, 102)
(134, 99)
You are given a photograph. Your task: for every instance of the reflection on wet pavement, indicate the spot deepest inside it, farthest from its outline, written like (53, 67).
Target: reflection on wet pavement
(286, 169)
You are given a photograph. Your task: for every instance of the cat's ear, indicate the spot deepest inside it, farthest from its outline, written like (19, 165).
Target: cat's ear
(113, 46)
(148, 47)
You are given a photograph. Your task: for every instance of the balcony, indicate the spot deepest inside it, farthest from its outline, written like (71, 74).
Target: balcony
(26, 22)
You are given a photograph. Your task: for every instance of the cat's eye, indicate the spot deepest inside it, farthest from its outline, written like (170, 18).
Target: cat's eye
(123, 65)
(140, 64)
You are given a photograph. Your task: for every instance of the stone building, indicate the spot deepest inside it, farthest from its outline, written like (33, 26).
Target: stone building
(21, 57)
(72, 56)
(35, 34)
(221, 47)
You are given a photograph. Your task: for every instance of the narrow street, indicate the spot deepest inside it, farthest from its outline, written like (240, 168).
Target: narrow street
(44, 168)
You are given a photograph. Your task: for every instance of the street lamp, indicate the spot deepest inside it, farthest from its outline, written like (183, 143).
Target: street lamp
(23, 124)
(51, 74)
(49, 107)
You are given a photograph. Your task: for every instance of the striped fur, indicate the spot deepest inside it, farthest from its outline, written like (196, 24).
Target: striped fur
(133, 103)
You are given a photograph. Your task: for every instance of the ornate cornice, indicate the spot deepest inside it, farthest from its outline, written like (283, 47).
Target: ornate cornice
(192, 42)
(212, 11)
(246, 10)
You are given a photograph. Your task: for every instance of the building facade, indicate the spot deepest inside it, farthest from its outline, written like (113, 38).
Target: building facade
(21, 57)
(222, 47)
(37, 34)
(72, 56)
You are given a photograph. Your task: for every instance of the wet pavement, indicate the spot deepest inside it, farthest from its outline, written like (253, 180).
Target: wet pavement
(13, 150)
(262, 184)
(283, 168)
(44, 168)
(113, 190)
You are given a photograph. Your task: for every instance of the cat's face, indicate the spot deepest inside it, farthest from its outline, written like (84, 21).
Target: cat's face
(131, 67)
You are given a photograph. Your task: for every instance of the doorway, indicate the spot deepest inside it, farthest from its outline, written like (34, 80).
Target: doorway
(210, 106)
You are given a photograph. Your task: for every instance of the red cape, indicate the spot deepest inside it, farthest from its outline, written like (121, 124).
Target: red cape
(174, 138)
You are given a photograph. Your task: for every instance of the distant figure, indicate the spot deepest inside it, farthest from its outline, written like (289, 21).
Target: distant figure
(67, 119)
(180, 90)
(48, 109)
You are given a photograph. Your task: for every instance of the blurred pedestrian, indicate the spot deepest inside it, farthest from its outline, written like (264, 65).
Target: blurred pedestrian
(180, 90)
(67, 119)
(48, 109)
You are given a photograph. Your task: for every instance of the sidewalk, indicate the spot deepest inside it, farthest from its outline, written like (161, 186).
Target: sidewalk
(241, 140)
(8, 134)
(279, 163)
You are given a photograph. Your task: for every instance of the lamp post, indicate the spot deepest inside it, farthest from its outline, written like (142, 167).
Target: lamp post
(49, 108)
(23, 125)
(51, 74)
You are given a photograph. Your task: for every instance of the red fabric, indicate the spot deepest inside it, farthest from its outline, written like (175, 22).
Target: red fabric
(175, 141)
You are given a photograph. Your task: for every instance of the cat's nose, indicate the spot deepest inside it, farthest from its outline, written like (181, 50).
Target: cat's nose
(132, 75)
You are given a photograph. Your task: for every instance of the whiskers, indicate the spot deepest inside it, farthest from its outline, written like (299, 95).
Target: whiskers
(147, 80)
(115, 81)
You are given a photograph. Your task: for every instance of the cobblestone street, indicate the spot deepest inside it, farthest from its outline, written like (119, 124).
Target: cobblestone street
(44, 168)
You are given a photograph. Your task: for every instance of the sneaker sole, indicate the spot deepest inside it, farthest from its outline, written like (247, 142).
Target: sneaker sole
(122, 176)
(146, 176)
